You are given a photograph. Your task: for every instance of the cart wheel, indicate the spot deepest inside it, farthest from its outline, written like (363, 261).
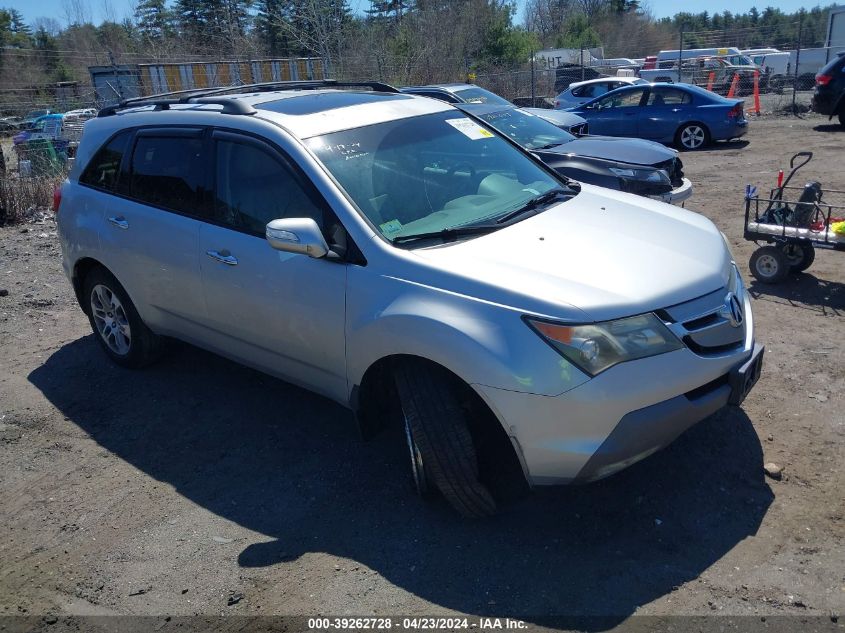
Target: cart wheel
(799, 256)
(769, 265)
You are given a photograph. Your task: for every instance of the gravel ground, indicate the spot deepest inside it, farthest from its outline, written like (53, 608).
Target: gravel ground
(201, 487)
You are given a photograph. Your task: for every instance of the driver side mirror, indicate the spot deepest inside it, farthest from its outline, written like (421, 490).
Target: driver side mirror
(297, 235)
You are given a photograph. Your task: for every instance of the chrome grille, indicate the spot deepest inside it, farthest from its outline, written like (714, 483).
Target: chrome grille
(709, 326)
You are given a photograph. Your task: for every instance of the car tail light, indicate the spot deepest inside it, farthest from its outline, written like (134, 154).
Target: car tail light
(823, 80)
(57, 198)
(735, 112)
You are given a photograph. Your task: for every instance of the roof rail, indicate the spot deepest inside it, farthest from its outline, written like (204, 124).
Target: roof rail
(230, 106)
(164, 100)
(311, 84)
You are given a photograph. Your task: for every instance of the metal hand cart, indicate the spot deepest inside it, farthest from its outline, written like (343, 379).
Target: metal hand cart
(793, 222)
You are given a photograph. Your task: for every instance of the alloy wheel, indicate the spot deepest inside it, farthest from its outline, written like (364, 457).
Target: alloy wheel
(110, 319)
(692, 136)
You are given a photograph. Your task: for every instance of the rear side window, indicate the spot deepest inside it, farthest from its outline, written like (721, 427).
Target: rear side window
(168, 172)
(103, 170)
(668, 96)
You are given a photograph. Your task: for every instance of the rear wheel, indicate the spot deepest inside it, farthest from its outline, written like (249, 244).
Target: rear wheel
(692, 136)
(799, 256)
(769, 264)
(116, 323)
(842, 118)
(437, 431)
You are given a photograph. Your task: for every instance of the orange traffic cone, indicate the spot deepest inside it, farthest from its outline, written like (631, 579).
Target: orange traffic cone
(757, 92)
(734, 85)
(711, 79)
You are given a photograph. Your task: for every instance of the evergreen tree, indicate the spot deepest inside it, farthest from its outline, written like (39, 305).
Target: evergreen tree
(155, 21)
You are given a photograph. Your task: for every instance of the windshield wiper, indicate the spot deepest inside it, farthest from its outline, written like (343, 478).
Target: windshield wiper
(448, 234)
(535, 204)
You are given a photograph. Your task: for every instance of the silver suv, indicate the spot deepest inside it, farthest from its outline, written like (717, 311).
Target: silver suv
(414, 265)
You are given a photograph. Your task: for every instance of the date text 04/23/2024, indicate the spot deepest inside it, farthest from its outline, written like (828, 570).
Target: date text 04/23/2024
(415, 624)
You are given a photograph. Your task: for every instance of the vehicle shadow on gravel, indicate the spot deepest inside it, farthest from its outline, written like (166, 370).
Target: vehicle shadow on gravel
(721, 146)
(803, 290)
(288, 464)
(829, 127)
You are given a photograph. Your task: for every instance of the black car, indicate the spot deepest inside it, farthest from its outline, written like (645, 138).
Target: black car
(829, 97)
(627, 164)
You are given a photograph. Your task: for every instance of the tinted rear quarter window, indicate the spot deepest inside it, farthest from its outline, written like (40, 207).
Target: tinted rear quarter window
(103, 170)
(669, 97)
(168, 172)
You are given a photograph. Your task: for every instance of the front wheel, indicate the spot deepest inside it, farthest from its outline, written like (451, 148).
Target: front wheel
(799, 256)
(692, 136)
(842, 118)
(116, 323)
(439, 439)
(769, 264)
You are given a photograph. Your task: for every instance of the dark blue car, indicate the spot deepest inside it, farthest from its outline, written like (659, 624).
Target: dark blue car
(688, 116)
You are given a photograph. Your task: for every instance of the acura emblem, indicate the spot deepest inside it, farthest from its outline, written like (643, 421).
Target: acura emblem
(732, 310)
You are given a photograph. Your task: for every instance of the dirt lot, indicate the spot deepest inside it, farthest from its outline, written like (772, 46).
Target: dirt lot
(200, 487)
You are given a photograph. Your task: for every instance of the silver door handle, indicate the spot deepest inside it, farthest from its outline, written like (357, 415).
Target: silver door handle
(119, 221)
(226, 258)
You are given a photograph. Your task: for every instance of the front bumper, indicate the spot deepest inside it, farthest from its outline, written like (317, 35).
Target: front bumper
(677, 195)
(625, 413)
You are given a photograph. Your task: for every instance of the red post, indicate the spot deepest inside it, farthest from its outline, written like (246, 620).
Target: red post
(734, 85)
(711, 79)
(757, 92)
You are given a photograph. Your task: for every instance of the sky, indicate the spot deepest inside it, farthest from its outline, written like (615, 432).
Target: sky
(118, 9)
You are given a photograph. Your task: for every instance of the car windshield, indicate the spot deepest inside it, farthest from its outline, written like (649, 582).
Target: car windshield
(431, 173)
(480, 95)
(528, 130)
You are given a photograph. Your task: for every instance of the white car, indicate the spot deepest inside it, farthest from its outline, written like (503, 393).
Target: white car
(584, 91)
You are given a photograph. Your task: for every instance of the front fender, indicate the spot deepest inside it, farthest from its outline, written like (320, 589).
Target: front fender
(482, 343)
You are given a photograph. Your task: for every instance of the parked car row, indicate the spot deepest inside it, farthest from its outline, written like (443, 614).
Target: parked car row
(409, 259)
(627, 164)
(63, 129)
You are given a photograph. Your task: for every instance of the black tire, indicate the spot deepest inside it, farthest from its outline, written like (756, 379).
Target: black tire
(438, 425)
(799, 256)
(769, 265)
(692, 136)
(142, 345)
(842, 118)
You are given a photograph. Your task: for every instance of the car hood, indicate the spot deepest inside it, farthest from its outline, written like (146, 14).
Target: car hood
(601, 255)
(560, 118)
(625, 150)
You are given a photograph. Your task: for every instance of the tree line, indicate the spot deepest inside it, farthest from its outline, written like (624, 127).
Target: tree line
(402, 41)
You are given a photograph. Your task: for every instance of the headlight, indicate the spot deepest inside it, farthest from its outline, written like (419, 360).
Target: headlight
(647, 175)
(598, 346)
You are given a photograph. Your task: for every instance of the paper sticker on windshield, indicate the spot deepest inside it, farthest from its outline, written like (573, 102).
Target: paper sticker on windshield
(469, 128)
(390, 227)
